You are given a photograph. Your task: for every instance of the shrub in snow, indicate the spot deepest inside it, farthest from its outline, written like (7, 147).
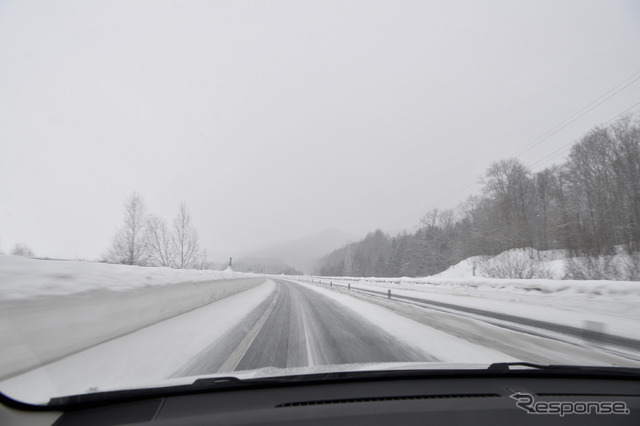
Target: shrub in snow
(634, 267)
(522, 263)
(619, 267)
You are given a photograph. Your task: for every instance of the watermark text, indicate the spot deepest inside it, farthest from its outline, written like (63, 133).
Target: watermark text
(528, 403)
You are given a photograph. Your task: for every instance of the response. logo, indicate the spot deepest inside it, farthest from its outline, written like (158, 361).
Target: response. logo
(528, 403)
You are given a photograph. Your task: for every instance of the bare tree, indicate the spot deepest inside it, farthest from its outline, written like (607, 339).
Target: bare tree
(22, 250)
(508, 185)
(159, 242)
(129, 246)
(186, 247)
(202, 262)
(626, 165)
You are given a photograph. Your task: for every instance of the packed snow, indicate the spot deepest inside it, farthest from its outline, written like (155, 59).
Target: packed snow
(548, 264)
(152, 353)
(24, 277)
(51, 309)
(607, 297)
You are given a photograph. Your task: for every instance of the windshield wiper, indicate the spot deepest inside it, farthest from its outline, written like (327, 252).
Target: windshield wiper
(199, 385)
(512, 367)
(226, 383)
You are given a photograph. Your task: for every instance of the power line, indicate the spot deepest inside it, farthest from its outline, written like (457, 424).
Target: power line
(563, 124)
(567, 146)
(627, 82)
(579, 114)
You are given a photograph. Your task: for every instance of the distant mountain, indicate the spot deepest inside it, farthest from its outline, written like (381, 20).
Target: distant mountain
(304, 252)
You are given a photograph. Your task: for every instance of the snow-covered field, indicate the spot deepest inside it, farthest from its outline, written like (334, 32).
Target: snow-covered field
(550, 264)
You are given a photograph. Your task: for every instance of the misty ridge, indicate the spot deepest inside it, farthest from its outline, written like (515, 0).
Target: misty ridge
(588, 208)
(293, 257)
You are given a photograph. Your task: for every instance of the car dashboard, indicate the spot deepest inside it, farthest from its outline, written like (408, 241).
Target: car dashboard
(423, 400)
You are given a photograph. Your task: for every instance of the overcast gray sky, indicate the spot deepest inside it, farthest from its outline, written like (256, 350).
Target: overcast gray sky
(276, 119)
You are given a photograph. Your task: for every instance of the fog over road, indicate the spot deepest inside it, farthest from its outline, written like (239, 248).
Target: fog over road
(298, 327)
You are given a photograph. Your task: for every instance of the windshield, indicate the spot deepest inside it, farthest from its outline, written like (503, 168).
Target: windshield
(256, 189)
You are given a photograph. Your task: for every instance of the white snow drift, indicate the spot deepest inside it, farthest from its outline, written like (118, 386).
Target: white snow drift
(51, 309)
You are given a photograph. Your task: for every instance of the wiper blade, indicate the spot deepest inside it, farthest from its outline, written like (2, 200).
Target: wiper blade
(205, 384)
(226, 383)
(199, 385)
(508, 367)
(217, 381)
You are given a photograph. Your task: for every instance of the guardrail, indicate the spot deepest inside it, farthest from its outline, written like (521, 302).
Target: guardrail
(592, 332)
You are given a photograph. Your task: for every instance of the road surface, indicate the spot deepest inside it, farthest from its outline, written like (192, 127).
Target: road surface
(287, 325)
(513, 322)
(298, 327)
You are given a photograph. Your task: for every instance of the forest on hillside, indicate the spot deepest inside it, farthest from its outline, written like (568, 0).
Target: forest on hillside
(589, 206)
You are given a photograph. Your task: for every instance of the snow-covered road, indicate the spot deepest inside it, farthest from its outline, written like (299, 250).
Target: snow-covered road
(298, 327)
(302, 324)
(284, 323)
(526, 324)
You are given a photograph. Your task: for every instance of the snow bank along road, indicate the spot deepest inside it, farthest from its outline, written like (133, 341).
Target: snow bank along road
(514, 322)
(288, 324)
(34, 331)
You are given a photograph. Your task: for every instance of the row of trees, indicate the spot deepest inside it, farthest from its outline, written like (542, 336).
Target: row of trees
(20, 249)
(147, 240)
(590, 206)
